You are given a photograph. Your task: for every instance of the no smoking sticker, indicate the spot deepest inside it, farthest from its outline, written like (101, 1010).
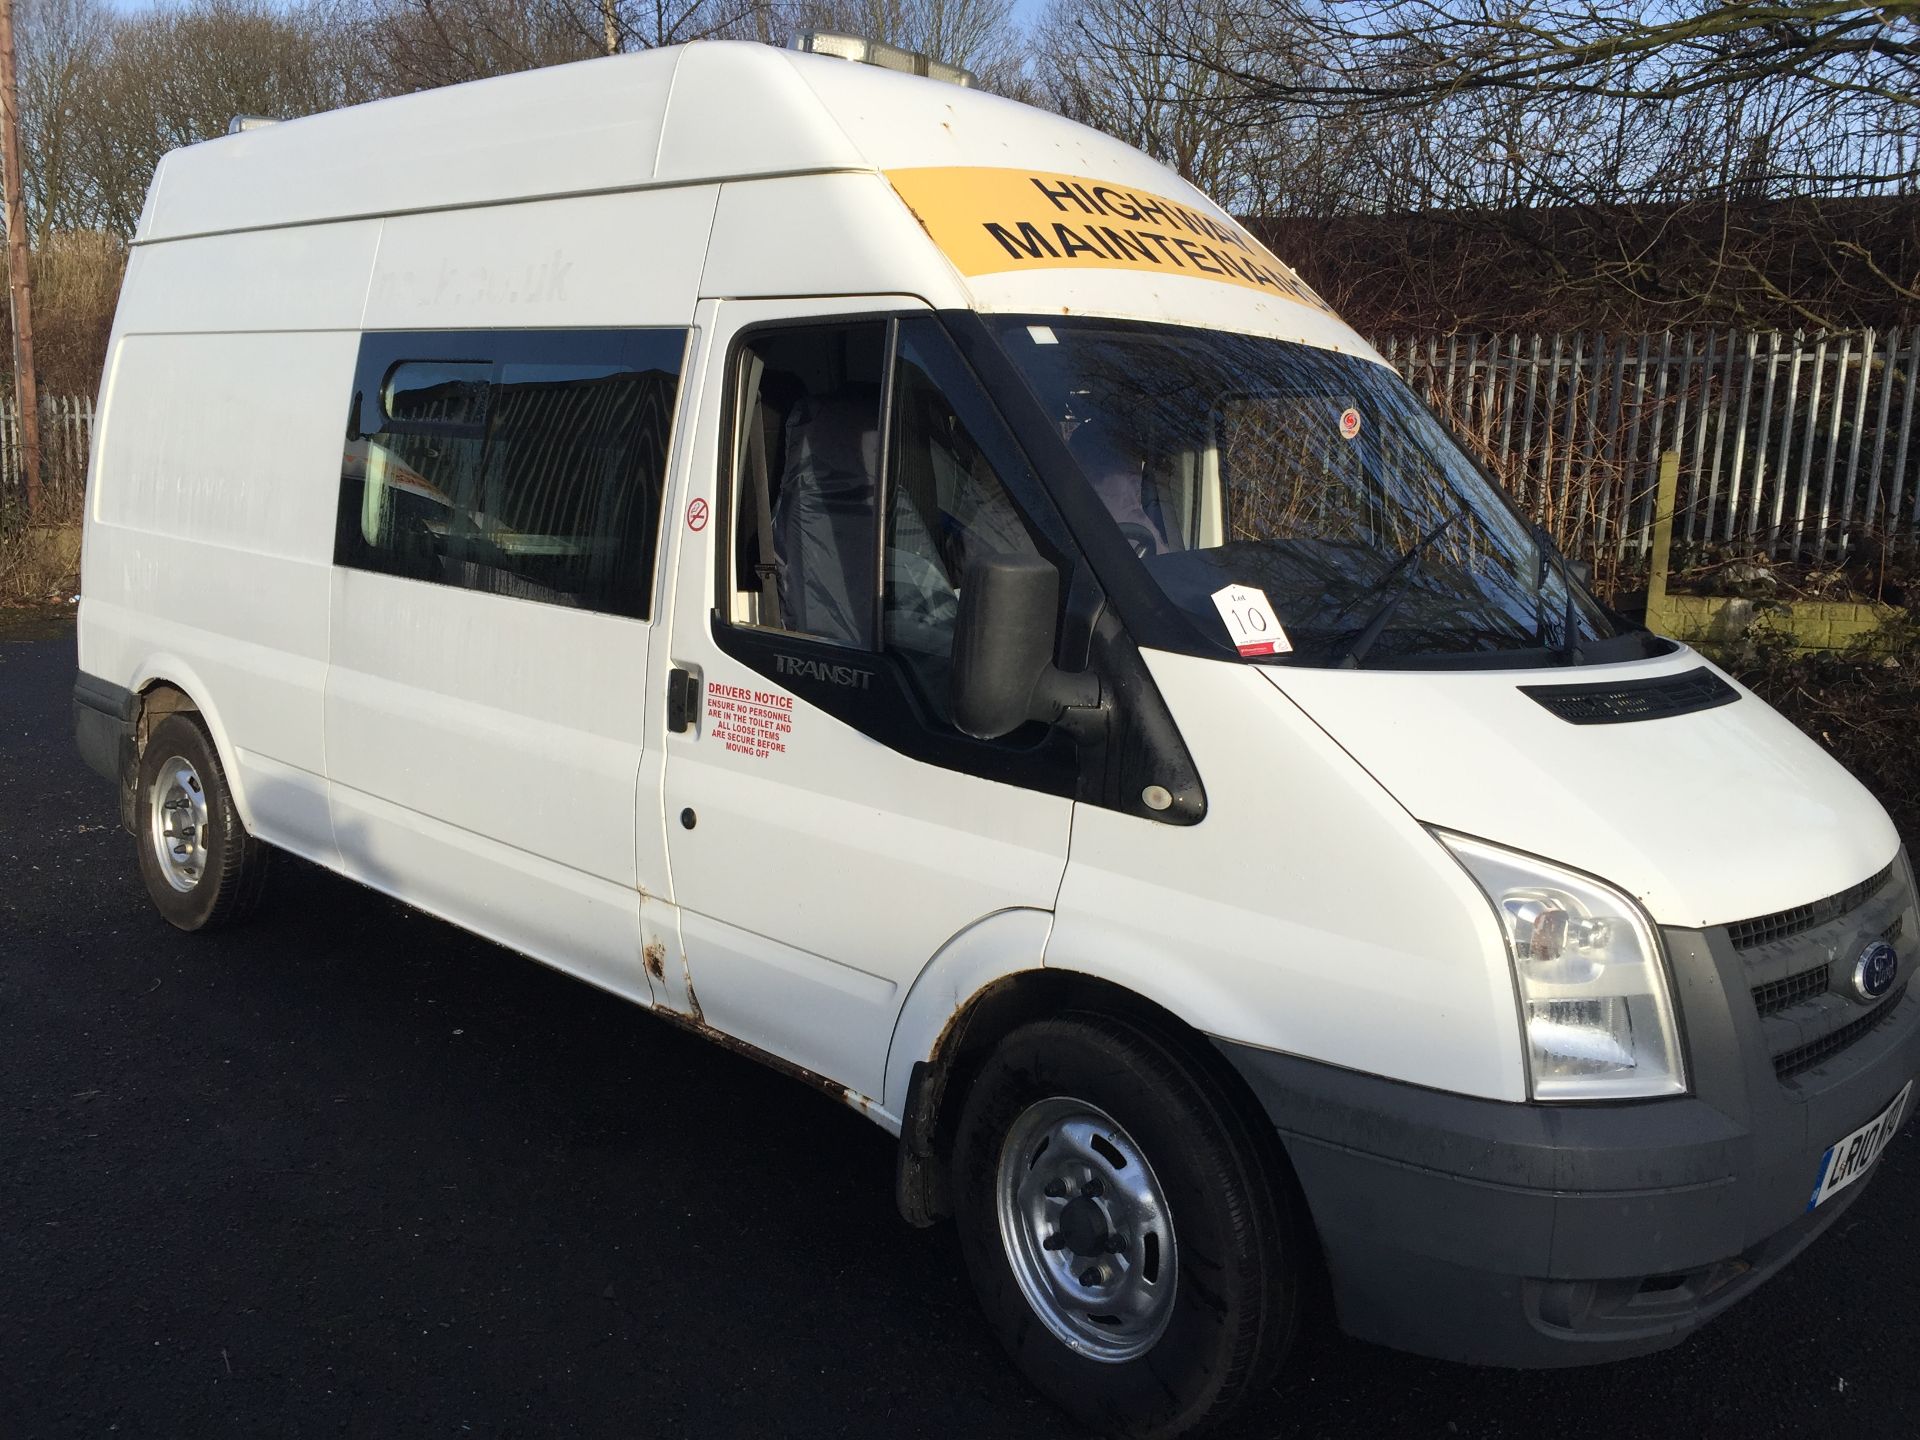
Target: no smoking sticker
(697, 515)
(1250, 621)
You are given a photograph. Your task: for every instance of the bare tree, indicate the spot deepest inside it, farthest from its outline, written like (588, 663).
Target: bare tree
(1609, 101)
(170, 77)
(418, 44)
(421, 44)
(1164, 77)
(62, 45)
(1618, 154)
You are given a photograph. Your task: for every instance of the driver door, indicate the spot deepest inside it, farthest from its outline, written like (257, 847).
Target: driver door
(829, 830)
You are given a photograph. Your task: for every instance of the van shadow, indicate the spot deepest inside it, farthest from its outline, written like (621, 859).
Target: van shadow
(523, 1190)
(634, 1220)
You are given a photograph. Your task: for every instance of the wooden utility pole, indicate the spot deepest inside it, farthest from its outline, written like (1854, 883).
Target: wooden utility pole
(19, 285)
(608, 18)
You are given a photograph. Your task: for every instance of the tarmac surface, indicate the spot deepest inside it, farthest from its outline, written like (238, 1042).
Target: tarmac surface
(348, 1170)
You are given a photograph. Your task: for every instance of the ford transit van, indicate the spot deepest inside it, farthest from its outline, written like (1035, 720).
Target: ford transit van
(902, 583)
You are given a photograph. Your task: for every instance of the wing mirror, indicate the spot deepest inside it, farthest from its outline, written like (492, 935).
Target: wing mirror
(1003, 672)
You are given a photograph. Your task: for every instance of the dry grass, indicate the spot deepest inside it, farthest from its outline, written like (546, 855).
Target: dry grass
(39, 564)
(76, 283)
(40, 556)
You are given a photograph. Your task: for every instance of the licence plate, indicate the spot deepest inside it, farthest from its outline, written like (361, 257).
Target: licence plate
(1854, 1154)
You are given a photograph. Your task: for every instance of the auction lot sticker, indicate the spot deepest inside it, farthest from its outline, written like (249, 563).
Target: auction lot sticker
(1250, 621)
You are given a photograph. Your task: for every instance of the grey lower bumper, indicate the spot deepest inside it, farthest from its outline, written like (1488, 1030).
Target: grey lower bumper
(1536, 1235)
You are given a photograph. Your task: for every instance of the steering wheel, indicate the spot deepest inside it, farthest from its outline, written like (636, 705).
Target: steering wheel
(1140, 537)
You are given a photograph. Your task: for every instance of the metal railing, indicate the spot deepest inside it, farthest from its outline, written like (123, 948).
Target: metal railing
(66, 432)
(1791, 446)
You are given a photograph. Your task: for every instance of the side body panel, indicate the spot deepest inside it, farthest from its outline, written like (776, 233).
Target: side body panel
(1308, 913)
(489, 755)
(823, 235)
(210, 510)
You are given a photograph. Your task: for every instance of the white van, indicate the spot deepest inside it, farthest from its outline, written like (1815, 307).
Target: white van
(901, 583)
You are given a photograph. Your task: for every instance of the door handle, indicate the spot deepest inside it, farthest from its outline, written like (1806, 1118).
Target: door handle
(683, 699)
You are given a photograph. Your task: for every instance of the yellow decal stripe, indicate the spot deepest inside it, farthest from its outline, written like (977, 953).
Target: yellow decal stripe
(989, 221)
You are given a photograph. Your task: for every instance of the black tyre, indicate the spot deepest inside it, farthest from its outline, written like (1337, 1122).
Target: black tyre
(1124, 1226)
(201, 867)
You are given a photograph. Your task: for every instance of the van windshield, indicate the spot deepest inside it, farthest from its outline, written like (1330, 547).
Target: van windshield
(1245, 470)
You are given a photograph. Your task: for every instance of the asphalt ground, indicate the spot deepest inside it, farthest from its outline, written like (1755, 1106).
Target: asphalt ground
(350, 1171)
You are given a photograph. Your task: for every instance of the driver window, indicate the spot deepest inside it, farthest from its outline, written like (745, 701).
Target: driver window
(825, 544)
(945, 506)
(808, 461)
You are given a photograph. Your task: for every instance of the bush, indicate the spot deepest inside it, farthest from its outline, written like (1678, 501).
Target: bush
(1862, 704)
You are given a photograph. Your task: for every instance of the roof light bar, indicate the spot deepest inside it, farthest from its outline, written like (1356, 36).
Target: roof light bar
(875, 52)
(240, 124)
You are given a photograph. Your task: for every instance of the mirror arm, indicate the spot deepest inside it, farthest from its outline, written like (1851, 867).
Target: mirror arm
(1071, 699)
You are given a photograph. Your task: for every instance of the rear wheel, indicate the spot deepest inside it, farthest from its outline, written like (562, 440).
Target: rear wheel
(1123, 1226)
(200, 866)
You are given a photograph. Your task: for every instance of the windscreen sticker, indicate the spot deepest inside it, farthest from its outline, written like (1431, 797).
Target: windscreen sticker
(754, 723)
(988, 220)
(1349, 423)
(1250, 621)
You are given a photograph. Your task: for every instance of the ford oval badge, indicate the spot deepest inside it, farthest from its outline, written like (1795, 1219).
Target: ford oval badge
(1873, 972)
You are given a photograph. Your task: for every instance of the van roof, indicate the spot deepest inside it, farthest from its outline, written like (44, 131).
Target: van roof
(1025, 211)
(707, 111)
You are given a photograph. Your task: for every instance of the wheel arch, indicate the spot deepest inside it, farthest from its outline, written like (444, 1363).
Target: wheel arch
(977, 1002)
(167, 685)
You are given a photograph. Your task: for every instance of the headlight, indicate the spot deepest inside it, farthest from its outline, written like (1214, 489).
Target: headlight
(1593, 986)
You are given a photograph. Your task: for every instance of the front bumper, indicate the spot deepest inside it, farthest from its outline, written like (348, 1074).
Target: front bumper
(1543, 1235)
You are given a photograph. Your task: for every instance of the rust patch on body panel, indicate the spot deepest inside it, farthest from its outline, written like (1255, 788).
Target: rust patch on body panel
(656, 958)
(694, 1023)
(693, 1000)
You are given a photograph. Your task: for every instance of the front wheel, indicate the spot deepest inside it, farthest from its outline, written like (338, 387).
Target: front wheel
(1128, 1238)
(201, 868)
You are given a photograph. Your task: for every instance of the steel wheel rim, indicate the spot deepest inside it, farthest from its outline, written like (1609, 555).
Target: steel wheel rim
(177, 823)
(1087, 1230)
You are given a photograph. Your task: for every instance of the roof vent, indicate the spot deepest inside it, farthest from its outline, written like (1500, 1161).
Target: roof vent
(876, 52)
(240, 124)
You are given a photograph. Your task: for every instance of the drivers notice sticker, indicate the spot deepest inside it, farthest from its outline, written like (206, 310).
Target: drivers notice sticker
(754, 723)
(1250, 621)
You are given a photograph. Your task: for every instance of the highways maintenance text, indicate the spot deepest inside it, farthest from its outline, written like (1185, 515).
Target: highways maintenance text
(988, 220)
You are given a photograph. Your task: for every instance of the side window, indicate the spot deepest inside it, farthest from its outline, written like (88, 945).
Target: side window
(807, 457)
(945, 506)
(838, 542)
(520, 463)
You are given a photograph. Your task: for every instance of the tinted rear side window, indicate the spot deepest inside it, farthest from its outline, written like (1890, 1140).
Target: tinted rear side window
(526, 463)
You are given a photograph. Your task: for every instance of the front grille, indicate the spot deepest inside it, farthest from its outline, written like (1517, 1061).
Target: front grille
(1766, 929)
(1801, 1058)
(1777, 995)
(1625, 700)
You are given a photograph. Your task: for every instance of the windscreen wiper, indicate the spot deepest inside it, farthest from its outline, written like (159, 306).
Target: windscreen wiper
(1567, 652)
(1403, 570)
